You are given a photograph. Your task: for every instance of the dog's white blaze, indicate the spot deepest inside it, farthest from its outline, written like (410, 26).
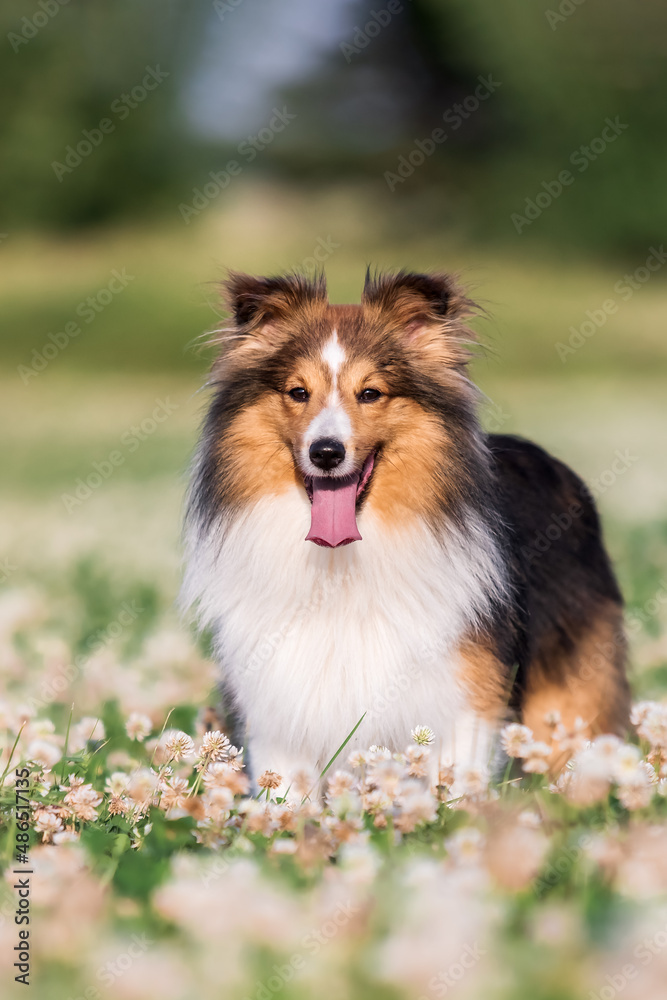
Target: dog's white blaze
(311, 638)
(332, 421)
(334, 355)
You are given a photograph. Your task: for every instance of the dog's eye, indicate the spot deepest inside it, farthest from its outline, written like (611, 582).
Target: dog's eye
(299, 394)
(369, 395)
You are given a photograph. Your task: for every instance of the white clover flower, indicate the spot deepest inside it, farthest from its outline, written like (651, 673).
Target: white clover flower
(174, 793)
(142, 785)
(116, 783)
(465, 846)
(138, 726)
(269, 779)
(637, 789)
(640, 710)
(284, 846)
(573, 738)
(606, 747)
(515, 738)
(416, 805)
(592, 771)
(235, 758)
(339, 783)
(66, 837)
(653, 726)
(217, 802)
(529, 818)
(83, 801)
(214, 746)
(179, 745)
(417, 758)
(386, 775)
(376, 801)
(43, 752)
(423, 736)
(536, 757)
(221, 774)
(625, 763)
(47, 823)
(41, 728)
(470, 782)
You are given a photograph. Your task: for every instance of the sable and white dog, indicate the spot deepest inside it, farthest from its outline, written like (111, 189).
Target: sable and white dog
(357, 544)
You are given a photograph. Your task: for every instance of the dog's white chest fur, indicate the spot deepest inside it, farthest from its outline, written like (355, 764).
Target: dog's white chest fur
(311, 638)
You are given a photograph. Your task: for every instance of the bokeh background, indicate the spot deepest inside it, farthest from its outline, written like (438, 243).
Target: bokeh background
(146, 147)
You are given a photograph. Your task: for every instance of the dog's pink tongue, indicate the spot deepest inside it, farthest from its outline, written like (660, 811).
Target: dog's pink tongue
(333, 519)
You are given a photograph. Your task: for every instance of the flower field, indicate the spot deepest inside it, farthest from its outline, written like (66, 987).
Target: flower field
(155, 872)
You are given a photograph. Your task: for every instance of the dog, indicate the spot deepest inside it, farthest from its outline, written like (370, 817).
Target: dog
(362, 550)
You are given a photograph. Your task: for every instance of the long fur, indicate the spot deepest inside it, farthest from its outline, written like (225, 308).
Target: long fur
(443, 614)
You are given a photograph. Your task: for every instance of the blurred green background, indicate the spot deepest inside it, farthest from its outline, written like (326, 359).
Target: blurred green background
(146, 147)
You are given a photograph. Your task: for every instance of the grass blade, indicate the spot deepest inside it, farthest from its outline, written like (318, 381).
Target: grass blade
(343, 745)
(11, 755)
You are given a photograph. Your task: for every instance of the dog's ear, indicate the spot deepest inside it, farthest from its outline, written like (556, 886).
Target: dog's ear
(259, 304)
(426, 309)
(406, 289)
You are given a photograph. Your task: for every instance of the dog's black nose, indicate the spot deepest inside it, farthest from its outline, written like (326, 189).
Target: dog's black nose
(327, 453)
